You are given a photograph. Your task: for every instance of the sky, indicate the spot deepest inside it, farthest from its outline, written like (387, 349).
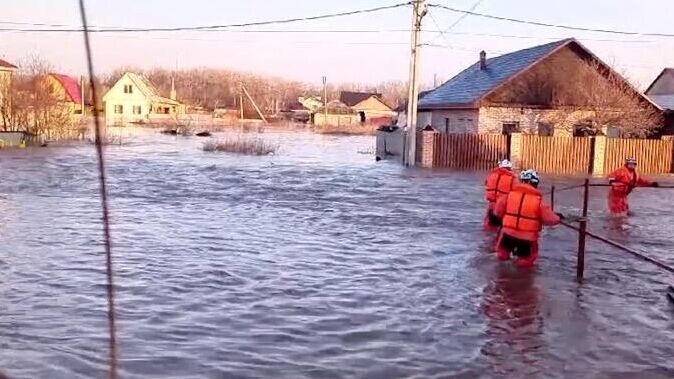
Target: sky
(306, 51)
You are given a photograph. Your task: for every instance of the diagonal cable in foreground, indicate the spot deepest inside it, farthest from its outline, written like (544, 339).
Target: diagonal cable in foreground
(104, 203)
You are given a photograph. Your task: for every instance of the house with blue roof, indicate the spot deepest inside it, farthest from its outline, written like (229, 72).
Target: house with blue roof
(661, 91)
(539, 90)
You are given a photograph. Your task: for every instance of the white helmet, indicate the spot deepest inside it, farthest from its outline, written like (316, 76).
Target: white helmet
(505, 164)
(530, 176)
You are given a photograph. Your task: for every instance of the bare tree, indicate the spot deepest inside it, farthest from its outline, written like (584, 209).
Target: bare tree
(573, 93)
(31, 103)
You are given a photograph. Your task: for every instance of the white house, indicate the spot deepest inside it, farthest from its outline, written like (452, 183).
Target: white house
(134, 99)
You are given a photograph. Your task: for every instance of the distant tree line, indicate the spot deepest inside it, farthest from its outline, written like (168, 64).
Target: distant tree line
(220, 88)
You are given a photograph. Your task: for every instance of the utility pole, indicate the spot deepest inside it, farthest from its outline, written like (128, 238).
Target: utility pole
(413, 96)
(325, 100)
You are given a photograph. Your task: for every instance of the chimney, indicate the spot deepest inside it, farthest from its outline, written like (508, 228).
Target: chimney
(483, 60)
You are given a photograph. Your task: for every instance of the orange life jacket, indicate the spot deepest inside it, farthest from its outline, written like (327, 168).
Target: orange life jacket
(499, 183)
(523, 209)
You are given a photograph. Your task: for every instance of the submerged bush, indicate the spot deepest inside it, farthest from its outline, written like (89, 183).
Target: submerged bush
(241, 145)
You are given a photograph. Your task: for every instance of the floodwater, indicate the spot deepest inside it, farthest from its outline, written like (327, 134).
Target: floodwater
(313, 263)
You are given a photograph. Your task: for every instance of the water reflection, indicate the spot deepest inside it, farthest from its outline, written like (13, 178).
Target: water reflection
(511, 304)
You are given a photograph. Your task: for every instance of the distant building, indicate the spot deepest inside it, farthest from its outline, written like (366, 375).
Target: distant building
(338, 114)
(134, 99)
(369, 106)
(310, 103)
(661, 91)
(68, 92)
(6, 72)
(515, 93)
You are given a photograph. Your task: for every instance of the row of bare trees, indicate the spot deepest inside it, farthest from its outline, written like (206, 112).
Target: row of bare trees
(215, 88)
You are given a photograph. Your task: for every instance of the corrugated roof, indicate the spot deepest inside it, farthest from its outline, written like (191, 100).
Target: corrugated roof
(148, 89)
(4, 63)
(352, 98)
(663, 101)
(470, 85)
(71, 87)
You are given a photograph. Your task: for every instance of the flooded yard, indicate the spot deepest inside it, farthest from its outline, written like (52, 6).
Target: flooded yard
(315, 262)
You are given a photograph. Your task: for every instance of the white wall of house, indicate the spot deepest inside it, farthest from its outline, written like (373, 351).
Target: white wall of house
(530, 121)
(455, 120)
(129, 103)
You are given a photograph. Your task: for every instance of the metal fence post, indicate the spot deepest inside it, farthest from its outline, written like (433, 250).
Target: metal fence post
(581, 236)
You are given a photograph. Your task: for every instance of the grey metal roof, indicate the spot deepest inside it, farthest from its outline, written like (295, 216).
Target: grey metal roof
(472, 84)
(663, 101)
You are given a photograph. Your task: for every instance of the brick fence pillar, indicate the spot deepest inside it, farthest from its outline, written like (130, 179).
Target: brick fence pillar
(516, 150)
(427, 148)
(599, 159)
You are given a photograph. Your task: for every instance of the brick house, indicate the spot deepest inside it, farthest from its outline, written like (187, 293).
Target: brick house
(513, 93)
(661, 91)
(6, 71)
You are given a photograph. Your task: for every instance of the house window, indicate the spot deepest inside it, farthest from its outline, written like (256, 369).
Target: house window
(136, 109)
(128, 88)
(511, 127)
(119, 109)
(446, 124)
(545, 129)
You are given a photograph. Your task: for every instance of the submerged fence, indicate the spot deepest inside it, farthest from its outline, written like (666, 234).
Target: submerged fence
(563, 155)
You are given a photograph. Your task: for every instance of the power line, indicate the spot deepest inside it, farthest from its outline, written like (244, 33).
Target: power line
(463, 16)
(537, 23)
(212, 27)
(442, 33)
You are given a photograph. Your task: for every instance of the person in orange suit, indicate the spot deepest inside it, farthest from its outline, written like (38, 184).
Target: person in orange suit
(524, 213)
(499, 182)
(623, 181)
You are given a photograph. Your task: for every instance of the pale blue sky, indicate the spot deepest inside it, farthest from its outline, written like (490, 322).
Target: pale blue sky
(361, 57)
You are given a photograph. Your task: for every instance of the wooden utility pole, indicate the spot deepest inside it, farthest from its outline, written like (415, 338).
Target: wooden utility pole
(325, 100)
(418, 14)
(240, 101)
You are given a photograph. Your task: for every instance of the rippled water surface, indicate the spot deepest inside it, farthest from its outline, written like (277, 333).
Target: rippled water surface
(314, 263)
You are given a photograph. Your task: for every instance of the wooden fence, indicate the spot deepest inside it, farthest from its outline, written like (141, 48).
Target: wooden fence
(653, 156)
(563, 155)
(560, 155)
(469, 151)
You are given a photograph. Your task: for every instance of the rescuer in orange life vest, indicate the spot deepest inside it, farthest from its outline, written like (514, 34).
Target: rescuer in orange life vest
(523, 213)
(499, 182)
(623, 181)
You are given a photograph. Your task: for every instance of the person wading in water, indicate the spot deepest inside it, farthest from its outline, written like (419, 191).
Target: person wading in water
(499, 183)
(524, 213)
(623, 181)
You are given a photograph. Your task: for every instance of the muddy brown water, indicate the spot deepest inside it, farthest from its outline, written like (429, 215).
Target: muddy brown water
(313, 263)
